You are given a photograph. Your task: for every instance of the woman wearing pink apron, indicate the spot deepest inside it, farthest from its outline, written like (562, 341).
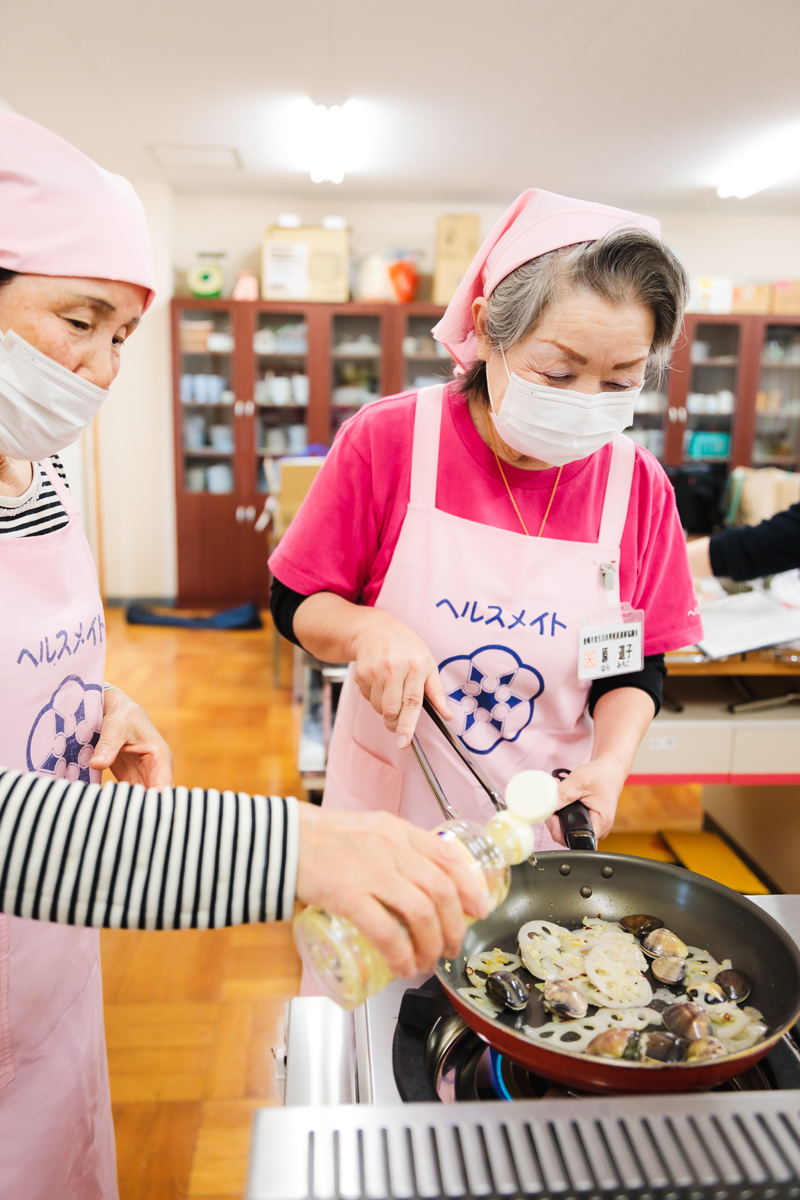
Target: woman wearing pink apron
(75, 277)
(496, 542)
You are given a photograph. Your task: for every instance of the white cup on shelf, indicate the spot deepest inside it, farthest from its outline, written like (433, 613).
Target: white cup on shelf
(298, 438)
(300, 389)
(221, 437)
(276, 440)
(195, 479)
(194, 431)
(280, 389)
(219, 478)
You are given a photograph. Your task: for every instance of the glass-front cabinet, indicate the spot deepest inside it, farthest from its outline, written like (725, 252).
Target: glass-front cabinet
(356, 364)
(206, 432)
(425, 361)
(711, 400)
(650, 415)
(777, 407)
(281, 392)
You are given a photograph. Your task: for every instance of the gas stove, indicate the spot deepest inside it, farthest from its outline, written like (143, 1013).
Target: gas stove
(402, 1099)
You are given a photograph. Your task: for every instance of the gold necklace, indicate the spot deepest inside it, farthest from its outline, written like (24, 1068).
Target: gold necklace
(508, 489)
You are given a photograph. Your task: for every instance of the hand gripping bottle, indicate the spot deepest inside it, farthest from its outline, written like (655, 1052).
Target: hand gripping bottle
(349, 969)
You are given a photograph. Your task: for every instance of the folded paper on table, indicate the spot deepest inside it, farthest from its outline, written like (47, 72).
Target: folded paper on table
(749, 621)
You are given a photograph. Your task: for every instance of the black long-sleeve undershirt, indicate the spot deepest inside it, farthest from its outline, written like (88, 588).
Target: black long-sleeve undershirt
(284, 603)
(755, 550)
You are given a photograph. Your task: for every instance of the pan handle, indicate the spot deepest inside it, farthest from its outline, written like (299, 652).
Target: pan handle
(576, 825)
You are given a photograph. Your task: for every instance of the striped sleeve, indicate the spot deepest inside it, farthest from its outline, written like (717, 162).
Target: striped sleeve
(122, 857)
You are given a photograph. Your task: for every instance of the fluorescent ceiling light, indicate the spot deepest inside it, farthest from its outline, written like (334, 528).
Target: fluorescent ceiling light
(197, 158)
(767, 162)
(327, 145)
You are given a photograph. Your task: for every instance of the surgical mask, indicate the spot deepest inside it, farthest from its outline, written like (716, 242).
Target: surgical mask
(43, 406)
(556, 425)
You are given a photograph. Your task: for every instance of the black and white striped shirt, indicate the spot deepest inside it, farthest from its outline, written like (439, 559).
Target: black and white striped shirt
(116, 856)
(38, 510)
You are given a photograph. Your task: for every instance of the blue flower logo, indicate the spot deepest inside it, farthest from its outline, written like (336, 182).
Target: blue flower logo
(66, 731)
(492, 694)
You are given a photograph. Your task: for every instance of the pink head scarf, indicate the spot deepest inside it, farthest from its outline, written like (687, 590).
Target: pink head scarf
(61, 214)
(536, 223)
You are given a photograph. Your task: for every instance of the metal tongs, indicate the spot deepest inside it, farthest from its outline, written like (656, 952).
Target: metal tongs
(576, 821)
(450, 813)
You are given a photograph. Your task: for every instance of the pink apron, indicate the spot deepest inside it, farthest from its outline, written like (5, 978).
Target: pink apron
(56, 1131)
(500, 613)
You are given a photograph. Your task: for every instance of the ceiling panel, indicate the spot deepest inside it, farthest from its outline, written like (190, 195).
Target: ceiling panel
(630, 101)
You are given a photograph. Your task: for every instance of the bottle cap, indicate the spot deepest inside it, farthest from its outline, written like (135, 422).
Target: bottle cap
(532, 795)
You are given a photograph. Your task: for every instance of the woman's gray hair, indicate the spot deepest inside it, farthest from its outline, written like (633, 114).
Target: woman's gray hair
(628, 265)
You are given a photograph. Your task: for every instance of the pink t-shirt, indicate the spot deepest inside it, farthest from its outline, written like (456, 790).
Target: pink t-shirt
(344, 536)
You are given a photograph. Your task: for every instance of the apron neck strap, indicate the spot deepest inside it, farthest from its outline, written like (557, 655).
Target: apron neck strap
(425, 452)
(618, 491)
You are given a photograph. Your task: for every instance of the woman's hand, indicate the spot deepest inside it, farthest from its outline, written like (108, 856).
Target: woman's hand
(393, 667)
(130, 746)
(597, 784)
(371, 866)
(621, 718)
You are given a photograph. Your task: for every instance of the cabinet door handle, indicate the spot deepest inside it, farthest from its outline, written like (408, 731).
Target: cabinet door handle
(682, 415)
(250, 514)
(241, 513)
(249, 407)
(673, 415)
(238, 408)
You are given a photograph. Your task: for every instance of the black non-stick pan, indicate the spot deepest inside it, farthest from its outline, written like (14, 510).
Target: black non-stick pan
(565, 886)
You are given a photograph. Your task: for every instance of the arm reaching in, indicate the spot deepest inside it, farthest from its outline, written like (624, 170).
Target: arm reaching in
(122, 857)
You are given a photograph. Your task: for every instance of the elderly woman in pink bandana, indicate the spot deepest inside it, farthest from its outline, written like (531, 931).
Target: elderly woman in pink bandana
(75, 279)
(496, 543)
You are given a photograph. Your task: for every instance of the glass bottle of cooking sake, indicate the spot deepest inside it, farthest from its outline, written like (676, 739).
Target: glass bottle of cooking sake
(348, 968)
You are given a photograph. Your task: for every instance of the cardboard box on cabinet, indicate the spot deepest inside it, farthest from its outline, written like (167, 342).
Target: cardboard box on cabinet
(458, 237)
(306, 263)
(786, 297)
(752, 298)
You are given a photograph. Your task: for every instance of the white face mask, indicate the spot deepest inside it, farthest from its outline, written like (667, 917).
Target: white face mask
(43, 406)
(557, 425)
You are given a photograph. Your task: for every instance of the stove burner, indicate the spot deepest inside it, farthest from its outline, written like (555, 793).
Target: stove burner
(436, 1056)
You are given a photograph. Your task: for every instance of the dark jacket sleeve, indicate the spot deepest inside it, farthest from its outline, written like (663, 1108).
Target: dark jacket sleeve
(283, 604)
(756, 550)
(650, 679)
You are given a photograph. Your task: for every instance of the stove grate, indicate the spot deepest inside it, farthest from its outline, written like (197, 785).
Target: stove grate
(689, 1147)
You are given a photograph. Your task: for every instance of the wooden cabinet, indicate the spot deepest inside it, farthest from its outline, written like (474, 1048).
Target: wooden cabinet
(255, 382)
(731, 396)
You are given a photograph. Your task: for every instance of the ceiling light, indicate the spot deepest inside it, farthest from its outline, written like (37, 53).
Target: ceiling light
(197, 158)
(327, 145)
(767, 162)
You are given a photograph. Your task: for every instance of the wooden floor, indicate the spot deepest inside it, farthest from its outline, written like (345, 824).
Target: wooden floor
(191, 1017)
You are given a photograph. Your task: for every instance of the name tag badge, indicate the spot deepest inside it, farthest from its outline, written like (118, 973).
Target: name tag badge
(610, 643)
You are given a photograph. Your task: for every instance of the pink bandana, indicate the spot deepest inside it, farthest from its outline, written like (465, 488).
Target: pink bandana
(536, 223)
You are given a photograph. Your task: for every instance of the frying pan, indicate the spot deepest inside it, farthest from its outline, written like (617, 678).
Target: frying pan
(565, 886)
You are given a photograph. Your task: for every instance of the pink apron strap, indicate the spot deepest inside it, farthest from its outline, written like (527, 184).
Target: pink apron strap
(425, 452)
(618, 491)
(63, 493)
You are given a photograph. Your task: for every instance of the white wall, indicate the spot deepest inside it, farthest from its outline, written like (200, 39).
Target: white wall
(135, 439)
(135, 426)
